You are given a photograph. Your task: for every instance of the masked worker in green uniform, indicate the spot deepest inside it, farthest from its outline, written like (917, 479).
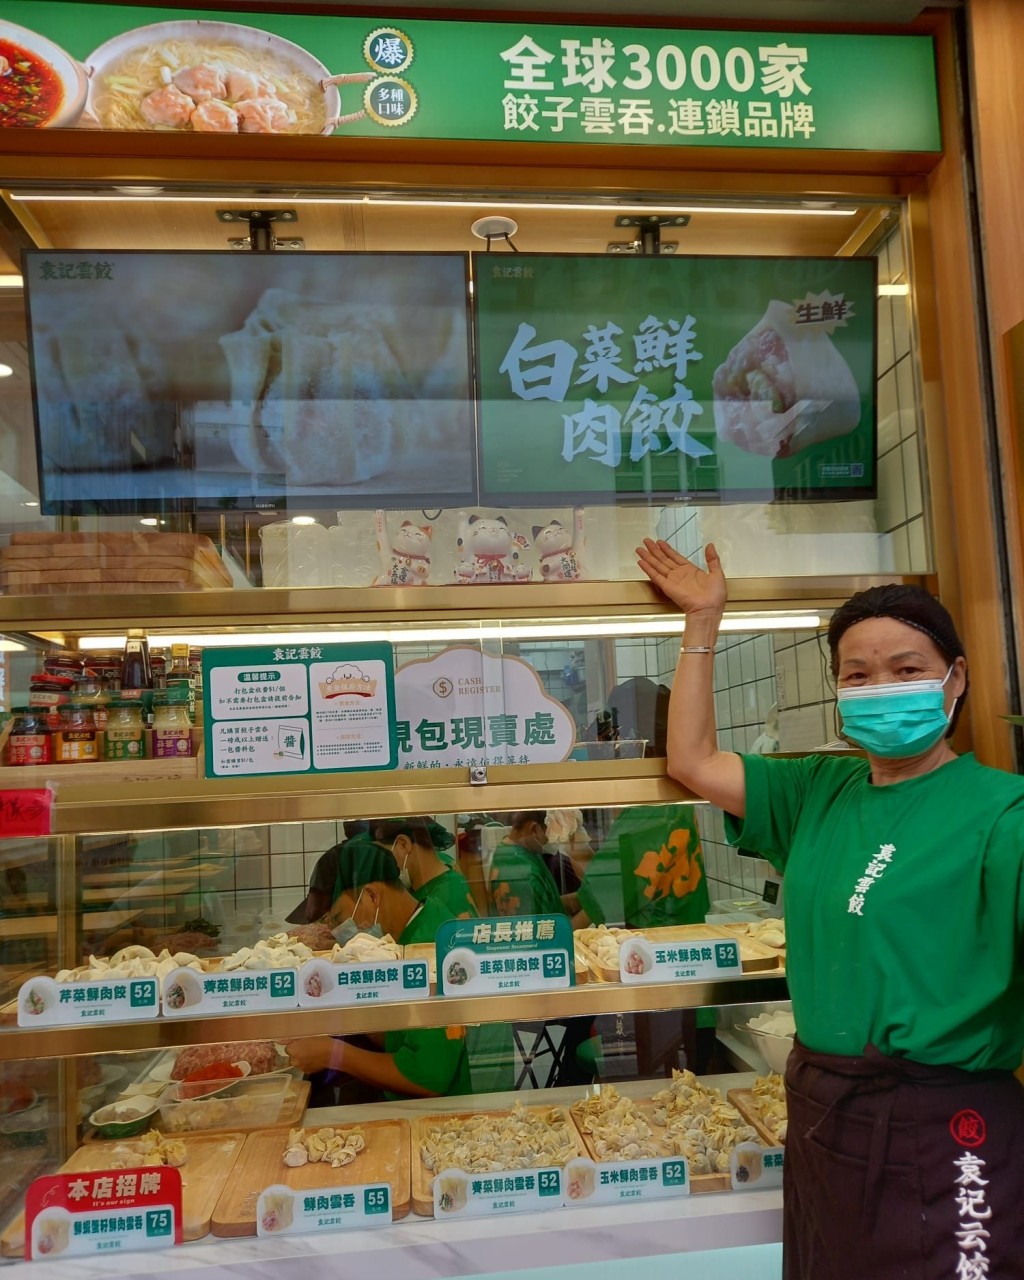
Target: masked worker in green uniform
(419, 847)
(420, 1063)
(519, 883)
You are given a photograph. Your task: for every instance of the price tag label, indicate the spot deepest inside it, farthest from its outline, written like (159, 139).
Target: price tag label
(27, 811)
(282, 1210)
(504, 955)
(113, 1211)
(458, 1194)
(188, 993)
(641, 960)
(45, 1003)
(756, 1168)
(322, 983)
(587, 1182)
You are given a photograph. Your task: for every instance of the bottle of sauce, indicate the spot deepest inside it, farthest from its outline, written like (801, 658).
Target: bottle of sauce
(126, 731)
(179, 673)
(76, 739)
(136, 671)
(172, 724)
(31, 740)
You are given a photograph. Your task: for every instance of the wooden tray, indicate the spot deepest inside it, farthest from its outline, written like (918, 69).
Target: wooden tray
(261, 1165)
(203, 1176)
(423, 1179)
(754, 956)
(426, 951)
(745, 1102)
(699, 1182)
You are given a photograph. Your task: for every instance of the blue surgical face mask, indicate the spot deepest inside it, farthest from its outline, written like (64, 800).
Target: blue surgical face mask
(348, 929)
(896, 720)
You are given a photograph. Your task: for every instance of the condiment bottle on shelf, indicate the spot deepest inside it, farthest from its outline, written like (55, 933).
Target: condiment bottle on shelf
(50, 691)
(31, 740)
(136, 671)
(76, 738)
(172, 724)
(180, 673)
(89, 690)
(126, 731)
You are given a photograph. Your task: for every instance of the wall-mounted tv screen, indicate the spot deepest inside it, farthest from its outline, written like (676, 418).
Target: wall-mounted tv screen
(664, 378)
(186, 381)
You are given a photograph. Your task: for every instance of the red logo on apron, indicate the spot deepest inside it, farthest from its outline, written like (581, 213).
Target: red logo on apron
(967, 1128)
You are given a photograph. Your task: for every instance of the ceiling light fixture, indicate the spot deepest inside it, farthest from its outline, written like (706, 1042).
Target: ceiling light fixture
(11, 282)
(471, 633)
(893, 290)
(5, 371)
(402, 202)
(303, 519)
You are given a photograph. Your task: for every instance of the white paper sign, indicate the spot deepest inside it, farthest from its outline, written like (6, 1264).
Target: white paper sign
(284, 1211)
(349, 710)
(45, 1003)
(641, 960)
(465, 708)
(469, 973)
(187, 994)
(474, 1195)
(756, 1168)
(324, 984)
(587, 1182)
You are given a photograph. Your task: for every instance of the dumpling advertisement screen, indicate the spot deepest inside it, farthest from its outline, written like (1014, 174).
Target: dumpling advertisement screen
(191, 381)
(731, 379)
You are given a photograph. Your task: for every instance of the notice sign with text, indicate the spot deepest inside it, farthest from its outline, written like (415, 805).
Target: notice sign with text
(106, 1211)
(299, 709)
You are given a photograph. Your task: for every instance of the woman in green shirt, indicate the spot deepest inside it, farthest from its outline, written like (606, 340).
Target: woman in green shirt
(519, 883)
(904, 879)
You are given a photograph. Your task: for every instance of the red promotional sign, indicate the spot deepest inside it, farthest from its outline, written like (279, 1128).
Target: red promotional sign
(106, 1211)
(26, 812)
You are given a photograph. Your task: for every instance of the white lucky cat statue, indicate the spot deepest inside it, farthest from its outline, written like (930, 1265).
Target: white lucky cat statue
(406, 561)
(489, 551)
(560, 549)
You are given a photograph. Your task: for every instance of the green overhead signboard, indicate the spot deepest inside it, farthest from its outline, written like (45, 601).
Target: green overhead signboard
(474, 81)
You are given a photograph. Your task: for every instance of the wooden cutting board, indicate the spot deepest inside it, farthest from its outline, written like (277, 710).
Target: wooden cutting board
(261, 1165)
(754, 956)
(745, 1102)
(203, 1176)
(423, 1179)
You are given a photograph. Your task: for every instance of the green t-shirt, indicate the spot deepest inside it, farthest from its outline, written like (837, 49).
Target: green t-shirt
(520, 884)
(649, 871)
(904, 905)
(434, 1057)
(451, 889)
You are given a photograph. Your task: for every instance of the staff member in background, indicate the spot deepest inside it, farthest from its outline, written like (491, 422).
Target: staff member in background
(905, 928)
(416, 844)
(412, 1063)
(519, 883)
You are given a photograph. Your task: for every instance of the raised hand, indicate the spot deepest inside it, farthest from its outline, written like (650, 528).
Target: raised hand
(693, 589)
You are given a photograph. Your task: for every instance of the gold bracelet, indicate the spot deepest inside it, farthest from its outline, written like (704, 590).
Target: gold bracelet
(696, 648)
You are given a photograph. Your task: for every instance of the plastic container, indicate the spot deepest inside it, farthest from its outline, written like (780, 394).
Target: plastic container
(172, 724)
(125, 737)
(76, 741)
(253, 1103)
(754, 907)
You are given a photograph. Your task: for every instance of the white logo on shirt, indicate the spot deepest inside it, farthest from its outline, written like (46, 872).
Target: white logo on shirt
(872, 872)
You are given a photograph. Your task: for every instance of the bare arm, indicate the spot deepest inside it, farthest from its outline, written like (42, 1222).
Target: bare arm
(693, 755)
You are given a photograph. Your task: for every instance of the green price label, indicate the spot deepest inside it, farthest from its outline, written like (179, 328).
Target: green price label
(159, 1222)
(142, 995)
(673, 1173)
(554, 964)
(414, 977)
(282, 984)
(376, 1200)
(727, 955)
(549, 1183)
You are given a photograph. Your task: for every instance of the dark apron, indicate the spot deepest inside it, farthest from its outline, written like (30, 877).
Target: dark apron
(900, 1171)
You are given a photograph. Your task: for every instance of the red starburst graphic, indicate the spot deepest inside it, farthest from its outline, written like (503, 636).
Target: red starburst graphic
(968, 1128)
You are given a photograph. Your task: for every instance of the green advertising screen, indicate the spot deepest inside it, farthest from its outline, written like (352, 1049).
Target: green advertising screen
(119, 67)
(742, 379)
